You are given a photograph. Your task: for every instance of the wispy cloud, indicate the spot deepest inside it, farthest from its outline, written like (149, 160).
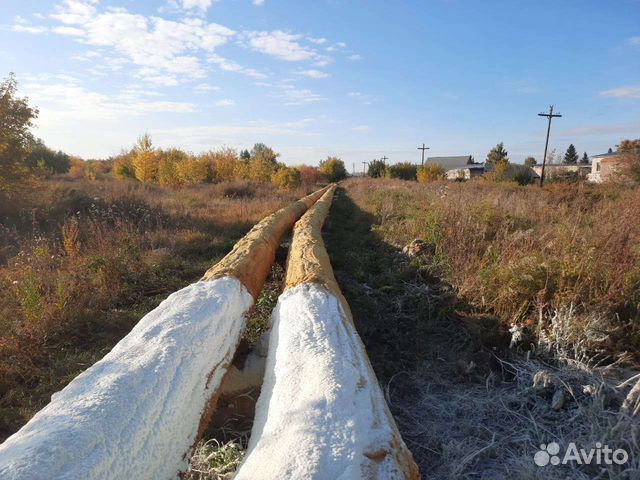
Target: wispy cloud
(61, 98)
(363, 98)
(361, 128)
(634, 42)
(628, 91)
(311, 73)
(231, 66)
(226, 102)
(258, 3)
(281, 45)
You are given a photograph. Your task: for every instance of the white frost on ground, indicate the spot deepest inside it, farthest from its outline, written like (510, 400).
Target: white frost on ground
(321, 408)
(134, 414)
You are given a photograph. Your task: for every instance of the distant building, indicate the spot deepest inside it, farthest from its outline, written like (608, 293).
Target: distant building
(557, 169)
(604, 167)
(458, 168)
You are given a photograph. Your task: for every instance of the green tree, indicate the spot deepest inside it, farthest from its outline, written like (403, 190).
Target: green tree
(245, 155)
(16, 119)
(403, 171)
(145, 161)
(333, 169)
(377, 169)
(585, 159)
(263, 163)
(43, 157)
(530, 161)
(431, 172)
(497, 155)
(571, 156)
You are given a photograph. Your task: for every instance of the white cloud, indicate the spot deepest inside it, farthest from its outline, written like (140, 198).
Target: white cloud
(354, 57)
(281, 45)
(62, 98)
(634, 41)
(71, 31)
(201, 4)
(258, 3)
(317, 41)
(363, 98)
(226, 102)
(161, 47)
(629, 92)
(29, 29)
(205, 87)
(361, 128)
(295, 96)
(312, 73)
(231, 66)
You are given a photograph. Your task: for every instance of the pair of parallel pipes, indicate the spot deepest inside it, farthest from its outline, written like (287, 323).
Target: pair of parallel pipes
(321, 413)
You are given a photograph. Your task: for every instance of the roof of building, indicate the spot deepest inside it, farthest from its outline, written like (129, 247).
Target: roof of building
(603, 155)
(451, 163)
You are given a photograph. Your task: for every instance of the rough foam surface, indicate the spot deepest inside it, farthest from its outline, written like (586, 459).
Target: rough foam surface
(135, 413)
(321, 413)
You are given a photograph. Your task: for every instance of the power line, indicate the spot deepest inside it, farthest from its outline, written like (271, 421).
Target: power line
(423, 148)
(549, 115)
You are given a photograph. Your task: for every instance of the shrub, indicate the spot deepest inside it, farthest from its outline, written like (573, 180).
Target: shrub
(403, 171)
(377, 169)
(430, 173)
(145, 160)
(333, 169)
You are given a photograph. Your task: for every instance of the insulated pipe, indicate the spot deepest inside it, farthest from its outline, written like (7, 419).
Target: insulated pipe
(321, 412)
(139, 411)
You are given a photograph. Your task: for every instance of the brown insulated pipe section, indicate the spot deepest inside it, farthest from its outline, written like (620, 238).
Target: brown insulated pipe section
(252, 257)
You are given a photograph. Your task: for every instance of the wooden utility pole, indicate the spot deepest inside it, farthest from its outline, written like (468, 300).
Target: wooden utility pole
(423, 148)
(364, 166)
(549, 115)
(384, 159)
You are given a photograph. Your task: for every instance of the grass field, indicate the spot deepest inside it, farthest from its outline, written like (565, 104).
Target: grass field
(82, 261)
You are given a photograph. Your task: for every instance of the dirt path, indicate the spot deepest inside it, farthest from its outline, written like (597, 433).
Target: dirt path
(465, 404)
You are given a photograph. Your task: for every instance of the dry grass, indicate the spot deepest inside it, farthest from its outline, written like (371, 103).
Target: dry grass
(81, 262)
(521, 253)
(435, 325)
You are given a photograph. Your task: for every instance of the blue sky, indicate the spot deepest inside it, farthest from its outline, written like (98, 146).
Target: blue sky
(357, 79)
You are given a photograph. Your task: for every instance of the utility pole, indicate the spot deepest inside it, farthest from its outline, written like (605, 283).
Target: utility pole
(549, 115)
(364, 166)
(384, 159)
(423, 148)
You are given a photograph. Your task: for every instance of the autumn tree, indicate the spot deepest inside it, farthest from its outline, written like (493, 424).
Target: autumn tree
(403, 171)
(497, 155)
(377, 169)
(309, 176)
(431, 172)
(263, 163)
(190, 170)
(168, 160)
(16, 119)
(286, 178)
(333, 169)
(145, 161)
(530, 161)
(571, 156)
(224, 164)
